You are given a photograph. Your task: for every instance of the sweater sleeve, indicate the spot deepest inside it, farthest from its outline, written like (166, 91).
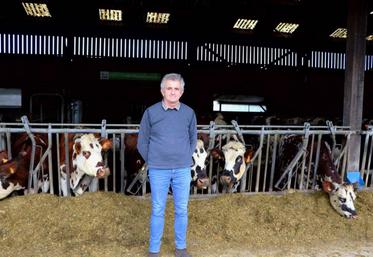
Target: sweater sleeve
(144, 135)
(193, 133)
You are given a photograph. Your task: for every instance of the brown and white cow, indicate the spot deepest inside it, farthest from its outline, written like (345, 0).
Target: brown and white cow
(23, 143)
(86, 160)
(13, 174)
(341, 195)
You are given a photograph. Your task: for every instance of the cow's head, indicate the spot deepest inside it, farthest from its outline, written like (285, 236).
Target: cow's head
(342, 197)
(236, 157)
(87, 155)
(198, 170)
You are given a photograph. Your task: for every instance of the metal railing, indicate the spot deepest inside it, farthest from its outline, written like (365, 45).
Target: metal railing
(261, 173)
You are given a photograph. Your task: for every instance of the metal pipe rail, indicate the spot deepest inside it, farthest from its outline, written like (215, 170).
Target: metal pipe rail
(261, 172)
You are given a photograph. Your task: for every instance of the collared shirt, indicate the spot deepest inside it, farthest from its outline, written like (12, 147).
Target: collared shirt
(177, 107)
(167, 139)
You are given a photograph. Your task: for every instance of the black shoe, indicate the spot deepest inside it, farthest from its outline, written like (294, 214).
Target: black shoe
(153, 255)
(182, 253)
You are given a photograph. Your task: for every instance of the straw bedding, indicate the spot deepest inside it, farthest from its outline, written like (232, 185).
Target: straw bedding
(109, 224)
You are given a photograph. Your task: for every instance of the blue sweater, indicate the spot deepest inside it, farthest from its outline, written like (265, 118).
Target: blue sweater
(167, 138)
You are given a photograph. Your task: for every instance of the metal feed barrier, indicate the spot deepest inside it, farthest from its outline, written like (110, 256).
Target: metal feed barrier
(260, 175)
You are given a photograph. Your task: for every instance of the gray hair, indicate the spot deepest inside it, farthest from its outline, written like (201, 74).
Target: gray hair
(173, 77)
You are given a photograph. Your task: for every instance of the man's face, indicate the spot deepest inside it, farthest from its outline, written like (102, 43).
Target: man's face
(171, 92)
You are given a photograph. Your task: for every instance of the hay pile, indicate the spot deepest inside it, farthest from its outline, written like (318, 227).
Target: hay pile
(108, 224)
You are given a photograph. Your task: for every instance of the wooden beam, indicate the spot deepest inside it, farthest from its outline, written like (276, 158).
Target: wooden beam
(354, 75)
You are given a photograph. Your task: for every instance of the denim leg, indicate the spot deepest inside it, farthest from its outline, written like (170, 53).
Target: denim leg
(159, 184)
(180, 189)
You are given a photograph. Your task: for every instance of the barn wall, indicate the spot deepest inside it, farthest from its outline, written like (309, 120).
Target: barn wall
(286, 92)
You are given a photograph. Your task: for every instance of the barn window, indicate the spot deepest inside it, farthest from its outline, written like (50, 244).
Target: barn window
(231, 107)
(239, 103)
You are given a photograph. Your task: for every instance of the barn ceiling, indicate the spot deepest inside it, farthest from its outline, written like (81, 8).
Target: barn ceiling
(191, 20)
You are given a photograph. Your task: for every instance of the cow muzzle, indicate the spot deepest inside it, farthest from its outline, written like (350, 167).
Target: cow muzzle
(226, 180)
(203, 182)
(103, 172)
(349, 213)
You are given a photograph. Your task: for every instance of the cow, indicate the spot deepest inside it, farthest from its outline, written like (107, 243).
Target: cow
(198, 169)
(236, 157)
(86, 161)
(341, 195)
(135, 164)
(13, 174)
(22, 143)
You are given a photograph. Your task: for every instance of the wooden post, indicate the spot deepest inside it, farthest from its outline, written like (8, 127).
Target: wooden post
(354, 75)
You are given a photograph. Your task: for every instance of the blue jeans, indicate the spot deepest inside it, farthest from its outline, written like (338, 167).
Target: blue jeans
(160, 180)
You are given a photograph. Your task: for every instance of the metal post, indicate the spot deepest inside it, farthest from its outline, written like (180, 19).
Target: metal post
(67, 164)
(50, 168)
(32, 175)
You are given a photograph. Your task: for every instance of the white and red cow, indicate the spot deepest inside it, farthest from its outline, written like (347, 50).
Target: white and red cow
(13, 174)
(236, 157)
(341, 195)
(23, 143)
(86, 161)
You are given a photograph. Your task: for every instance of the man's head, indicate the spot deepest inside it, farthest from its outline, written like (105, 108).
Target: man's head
(172, 88)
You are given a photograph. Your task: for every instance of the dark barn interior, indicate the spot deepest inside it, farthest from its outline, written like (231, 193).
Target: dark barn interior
(288, 90)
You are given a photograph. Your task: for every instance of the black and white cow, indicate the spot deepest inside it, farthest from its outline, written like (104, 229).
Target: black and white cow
(236, 157)
(198, 169)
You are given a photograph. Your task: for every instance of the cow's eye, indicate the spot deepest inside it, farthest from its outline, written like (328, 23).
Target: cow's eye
(341, 199)
(239, 159)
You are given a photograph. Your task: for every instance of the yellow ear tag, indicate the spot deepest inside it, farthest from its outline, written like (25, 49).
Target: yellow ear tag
(12, 170)
(5, 161)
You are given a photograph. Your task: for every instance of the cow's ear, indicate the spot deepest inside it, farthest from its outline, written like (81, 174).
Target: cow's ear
(248, 156)
(327, 186)
(77, 147)
(106, 144)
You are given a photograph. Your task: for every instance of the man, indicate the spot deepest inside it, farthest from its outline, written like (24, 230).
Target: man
(167, 139)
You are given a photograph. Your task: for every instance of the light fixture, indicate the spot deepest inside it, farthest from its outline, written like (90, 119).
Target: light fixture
(285, 27)
(245, 24)
(156, 17)
(110, 14)
(339, 33)
(369, 38)
(36, 9)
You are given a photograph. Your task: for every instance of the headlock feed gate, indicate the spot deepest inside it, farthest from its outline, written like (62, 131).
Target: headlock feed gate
(263, 158)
